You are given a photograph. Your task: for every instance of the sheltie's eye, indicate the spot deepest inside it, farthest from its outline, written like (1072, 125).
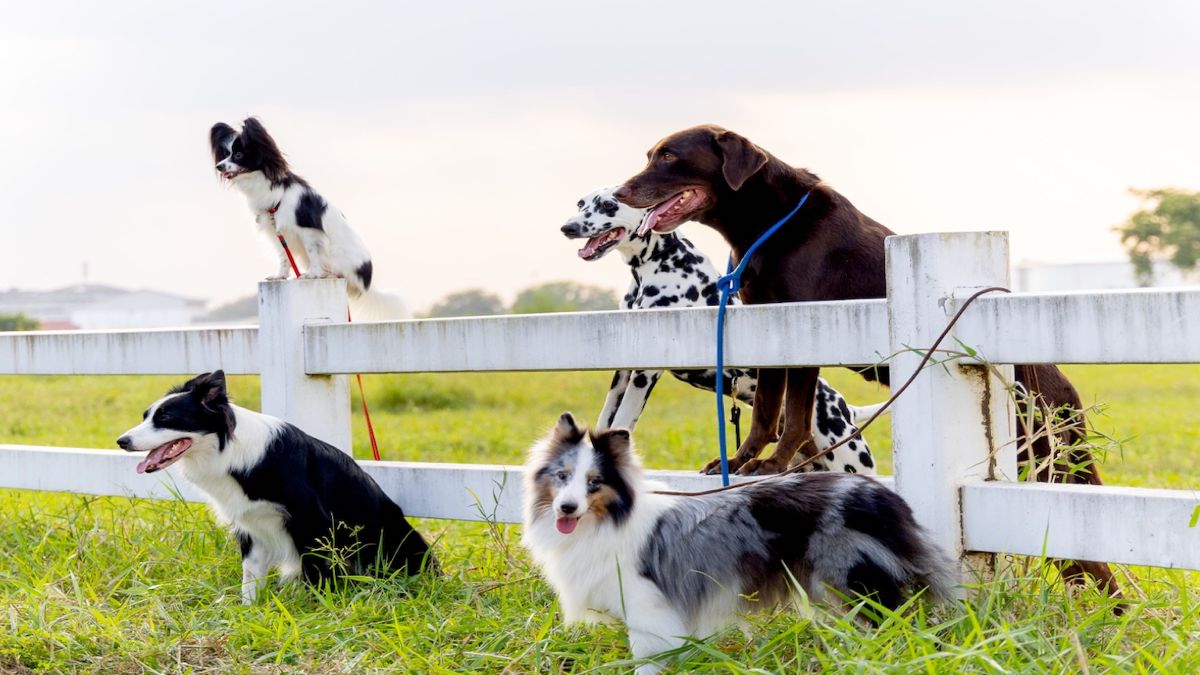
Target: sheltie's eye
(593, 485)
(562, 476)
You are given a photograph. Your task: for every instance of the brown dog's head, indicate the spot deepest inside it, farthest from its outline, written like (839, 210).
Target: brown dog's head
(687, 172)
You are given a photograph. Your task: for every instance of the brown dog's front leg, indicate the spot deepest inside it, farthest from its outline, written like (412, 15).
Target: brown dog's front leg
(797, 423)
(764, 420)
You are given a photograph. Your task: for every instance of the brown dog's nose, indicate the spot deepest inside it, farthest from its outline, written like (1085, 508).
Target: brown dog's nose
(622, 194)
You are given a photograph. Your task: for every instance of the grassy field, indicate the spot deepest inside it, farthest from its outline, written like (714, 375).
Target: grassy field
(121, 586)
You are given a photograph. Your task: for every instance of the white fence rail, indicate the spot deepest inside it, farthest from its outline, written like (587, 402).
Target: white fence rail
(952, 433)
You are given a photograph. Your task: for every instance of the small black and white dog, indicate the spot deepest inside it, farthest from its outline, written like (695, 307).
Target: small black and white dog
(669, 271)
(292, 500)
(284, 204)
(677, 567)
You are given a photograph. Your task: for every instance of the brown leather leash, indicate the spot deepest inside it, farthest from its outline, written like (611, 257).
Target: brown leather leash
(858, 433)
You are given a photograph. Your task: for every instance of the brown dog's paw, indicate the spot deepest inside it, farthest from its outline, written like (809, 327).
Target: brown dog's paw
(762, 467)
(713, 468)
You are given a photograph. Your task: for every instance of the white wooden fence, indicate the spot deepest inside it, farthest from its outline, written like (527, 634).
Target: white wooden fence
(953, 432)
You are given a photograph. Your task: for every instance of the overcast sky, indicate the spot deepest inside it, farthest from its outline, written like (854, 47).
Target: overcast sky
(457, 136)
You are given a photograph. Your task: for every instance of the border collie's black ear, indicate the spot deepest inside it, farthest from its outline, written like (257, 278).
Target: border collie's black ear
(215, 392)
(209, 388)
(218, 137)
(567, 430)
(254, 135)
(741, 158)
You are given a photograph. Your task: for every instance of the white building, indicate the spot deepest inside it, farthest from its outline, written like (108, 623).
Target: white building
(93, 306)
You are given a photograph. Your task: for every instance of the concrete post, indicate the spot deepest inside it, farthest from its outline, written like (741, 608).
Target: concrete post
(318, 404)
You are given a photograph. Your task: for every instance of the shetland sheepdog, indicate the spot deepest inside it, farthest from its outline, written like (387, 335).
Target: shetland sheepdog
(678, 567)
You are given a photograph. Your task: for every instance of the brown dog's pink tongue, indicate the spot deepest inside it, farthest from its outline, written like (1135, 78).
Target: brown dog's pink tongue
(566, 525)
(652, 218)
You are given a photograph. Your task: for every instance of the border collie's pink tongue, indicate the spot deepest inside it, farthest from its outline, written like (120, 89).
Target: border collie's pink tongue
(164, 455)
(566, 525)
(653, 217)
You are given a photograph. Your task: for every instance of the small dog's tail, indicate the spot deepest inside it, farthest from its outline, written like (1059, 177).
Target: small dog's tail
(376, 305)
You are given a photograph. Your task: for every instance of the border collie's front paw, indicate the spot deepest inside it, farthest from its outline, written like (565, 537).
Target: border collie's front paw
(762, 467)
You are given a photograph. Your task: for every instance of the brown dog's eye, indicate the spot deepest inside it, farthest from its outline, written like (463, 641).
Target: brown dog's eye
(667, 157)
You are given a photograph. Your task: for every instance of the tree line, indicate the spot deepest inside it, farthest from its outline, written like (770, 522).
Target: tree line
(557, 296)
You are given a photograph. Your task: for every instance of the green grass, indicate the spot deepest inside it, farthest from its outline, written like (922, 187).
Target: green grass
(115, 585)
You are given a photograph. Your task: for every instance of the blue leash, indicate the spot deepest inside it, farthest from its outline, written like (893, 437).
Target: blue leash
(730, 284)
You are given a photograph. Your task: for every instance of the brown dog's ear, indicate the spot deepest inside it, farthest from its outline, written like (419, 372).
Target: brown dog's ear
(741, 158)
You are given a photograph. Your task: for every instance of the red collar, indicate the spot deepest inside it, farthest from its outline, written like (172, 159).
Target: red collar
(273, 209)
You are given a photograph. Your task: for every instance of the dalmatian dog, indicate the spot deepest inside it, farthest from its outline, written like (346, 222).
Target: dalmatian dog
(669, 271)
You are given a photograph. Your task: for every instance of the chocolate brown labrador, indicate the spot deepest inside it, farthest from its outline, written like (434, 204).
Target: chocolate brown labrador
(829, 250)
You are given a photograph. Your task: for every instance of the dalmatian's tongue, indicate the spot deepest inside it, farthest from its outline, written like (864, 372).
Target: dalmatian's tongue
(656, 215)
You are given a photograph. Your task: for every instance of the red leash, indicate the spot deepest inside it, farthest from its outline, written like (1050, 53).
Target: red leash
(362, 395)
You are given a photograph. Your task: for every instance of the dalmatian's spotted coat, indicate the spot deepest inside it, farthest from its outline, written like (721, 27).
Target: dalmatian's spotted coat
(669, 271)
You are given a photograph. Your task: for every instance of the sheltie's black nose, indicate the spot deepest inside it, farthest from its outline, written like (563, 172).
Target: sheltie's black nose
(567, 508)
(124, 443)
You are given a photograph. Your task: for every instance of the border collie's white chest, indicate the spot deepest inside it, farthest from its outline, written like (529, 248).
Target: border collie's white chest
(264, 521)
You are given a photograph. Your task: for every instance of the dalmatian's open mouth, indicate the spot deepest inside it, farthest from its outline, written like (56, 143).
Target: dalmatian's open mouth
(600, 244)
(164, 455)
(672, 213)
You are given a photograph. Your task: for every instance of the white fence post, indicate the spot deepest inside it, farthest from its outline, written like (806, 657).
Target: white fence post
(318, 404)
(955, 424)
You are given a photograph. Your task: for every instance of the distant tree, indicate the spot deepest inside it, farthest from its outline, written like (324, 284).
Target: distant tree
(1168, 226)
(474, 302)
(12, 322)
(563, 296)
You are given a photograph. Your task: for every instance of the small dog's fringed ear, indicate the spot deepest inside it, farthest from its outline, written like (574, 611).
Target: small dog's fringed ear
(254, 134)
(567, 430)
(741, 158)
(218, 137)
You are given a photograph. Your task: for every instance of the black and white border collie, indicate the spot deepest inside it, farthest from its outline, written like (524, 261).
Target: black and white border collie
(284, 204)
(677, 567)
(294, 502)
(669, 271)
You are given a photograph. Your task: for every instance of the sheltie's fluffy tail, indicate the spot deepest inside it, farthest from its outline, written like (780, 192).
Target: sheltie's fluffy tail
(377, 305)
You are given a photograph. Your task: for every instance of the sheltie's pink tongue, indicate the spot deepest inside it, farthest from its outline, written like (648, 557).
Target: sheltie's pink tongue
(566, 525)
(653, 217)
